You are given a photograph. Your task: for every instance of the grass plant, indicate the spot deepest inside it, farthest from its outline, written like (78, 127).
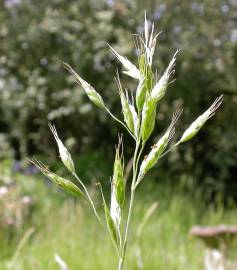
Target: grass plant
(139, 110)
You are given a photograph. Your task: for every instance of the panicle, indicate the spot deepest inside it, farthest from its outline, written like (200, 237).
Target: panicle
(194, 128)
(160, 87)
(93, 95)
(64, 154)
(131, 69)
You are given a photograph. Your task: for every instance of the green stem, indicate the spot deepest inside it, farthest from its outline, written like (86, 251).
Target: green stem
(120, 122)
(120, 266)
(139, 155)
(88, 196)
(123, 252)
(169, 150)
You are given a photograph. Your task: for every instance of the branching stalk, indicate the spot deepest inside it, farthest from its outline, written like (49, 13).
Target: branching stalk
(135, 161)
(88, 197)
(120, 122)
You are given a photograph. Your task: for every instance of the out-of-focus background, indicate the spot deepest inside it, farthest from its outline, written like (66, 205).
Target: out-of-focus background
(195, 184)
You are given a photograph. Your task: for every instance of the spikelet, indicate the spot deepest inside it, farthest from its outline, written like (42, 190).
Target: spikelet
(127, 114)
(160, 146)
(90, 91)
(147, 80)
(118, 186)
(150, 41)
(148, 117)
(115, 209)
(194, 128)
(64, 184)
(118, 181)
(141, 94)
(159, 89)
(131, 69)
(114, 234)
(136, 120)
(63, 152)
(145, 85)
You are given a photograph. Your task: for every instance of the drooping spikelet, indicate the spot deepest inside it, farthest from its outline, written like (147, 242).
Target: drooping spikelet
(64, 154)
(64, 184)
(131, 69)
(93, 95)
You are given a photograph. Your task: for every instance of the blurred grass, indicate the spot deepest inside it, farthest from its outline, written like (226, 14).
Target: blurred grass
(68, 228)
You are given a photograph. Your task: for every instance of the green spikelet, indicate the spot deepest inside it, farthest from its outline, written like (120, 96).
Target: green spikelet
(110, 223)
(148, 117)
(145, 85)
(127, 114)
(92, 94)
(194, 128)
(118, 177)
(64, 184)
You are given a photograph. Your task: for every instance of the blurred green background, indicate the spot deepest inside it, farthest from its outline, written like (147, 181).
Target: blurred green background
(36, 37)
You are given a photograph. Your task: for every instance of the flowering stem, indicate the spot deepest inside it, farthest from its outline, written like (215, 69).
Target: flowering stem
(171, 149)
(88, 196)
(139, 154)
(120, 266)
(135, 161)
(120, 122)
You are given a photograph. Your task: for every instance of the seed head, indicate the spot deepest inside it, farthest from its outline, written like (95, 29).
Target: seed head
(115, 209)
(159, 89)
(141, 95)
(131, 69)
(160, 146)
(127, 114)
(64, 154)
(145, 84)
(64, 184)
(194, 128)
(150, 41)
(136, 120)
(112, 228)
(118, 185)
(148, 117)
(90, 91)
(118, 182)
